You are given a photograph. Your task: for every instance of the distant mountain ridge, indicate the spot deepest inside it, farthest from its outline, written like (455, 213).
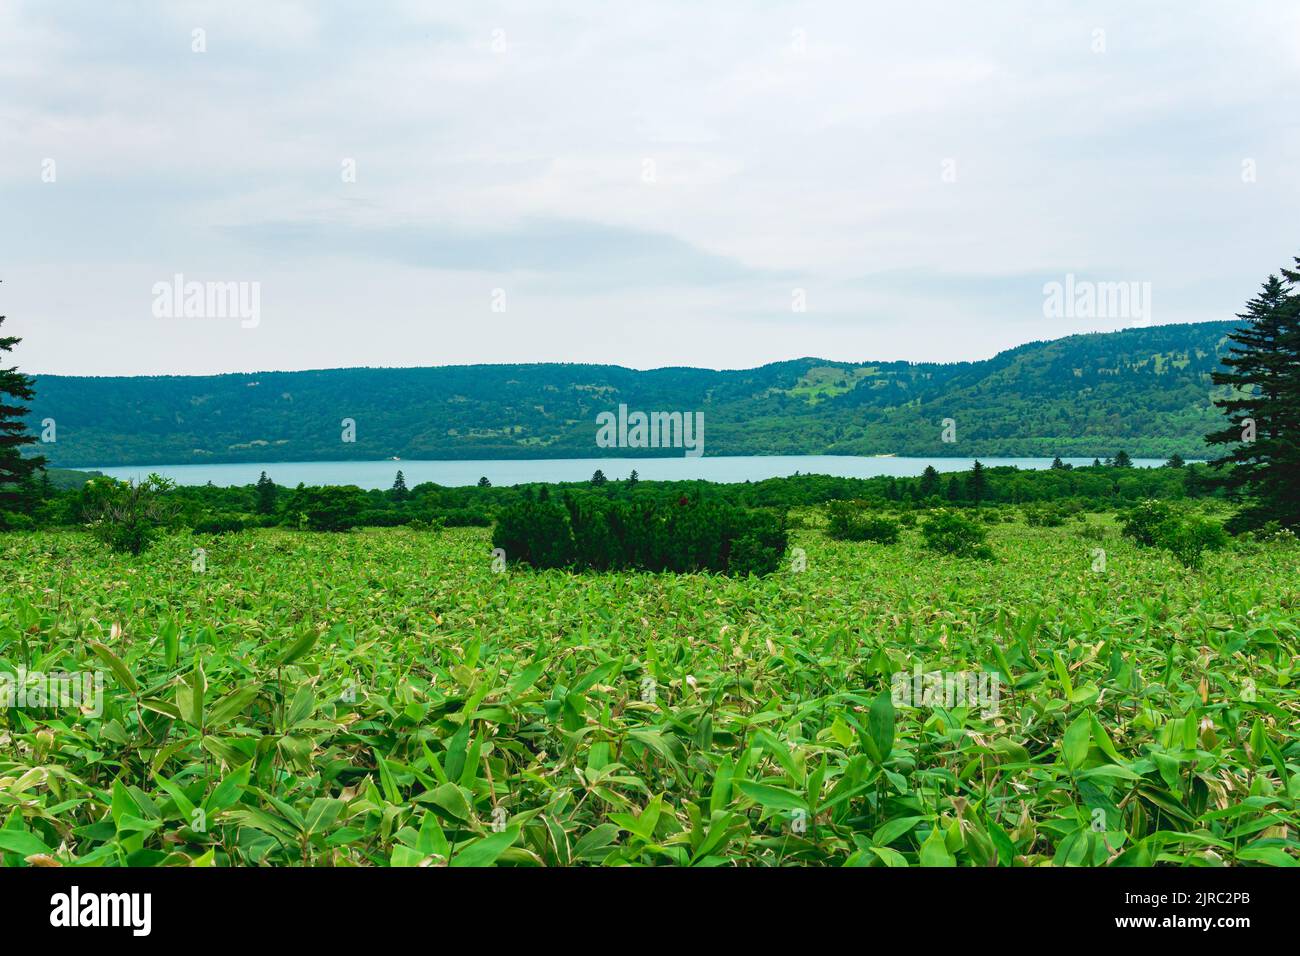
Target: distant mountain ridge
(1145, 390)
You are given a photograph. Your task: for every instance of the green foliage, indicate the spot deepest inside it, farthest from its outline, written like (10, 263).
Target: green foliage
(17, 492)
(465, 518)
(977, 482)
(127, 515)
(1091, 531)
(399, 492)
(1139, 389)
(1142, 522)
(373, 699)
(267, 493)
(536, 533)
(850, 521)
(327, 508)
(1261, 438)
(585, 532)
(1063, 491)
(426, 524)
(221, 524)
(1187, 537)
(948, 532)
(16, 521)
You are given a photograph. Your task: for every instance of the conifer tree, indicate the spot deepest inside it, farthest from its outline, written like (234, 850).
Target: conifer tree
(17, 491)
(929, 482)
(266, 495)
(1262, 437)
(977, 483)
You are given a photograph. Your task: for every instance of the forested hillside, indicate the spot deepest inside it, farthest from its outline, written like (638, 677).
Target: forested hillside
(1146, 391)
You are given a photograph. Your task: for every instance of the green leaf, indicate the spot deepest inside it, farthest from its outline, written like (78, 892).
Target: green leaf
(228, 791)
(891, 830)
(115, 664)
(21, 842)
(484, 852)
(1063, 675)
(934, 852)
(1074, 744)
(231, 706)
(190, 695)
(880, 728)
(304, 643)
(774, 798)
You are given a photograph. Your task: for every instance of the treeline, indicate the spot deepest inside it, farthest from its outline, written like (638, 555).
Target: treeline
(213, 509)
(1143, 389)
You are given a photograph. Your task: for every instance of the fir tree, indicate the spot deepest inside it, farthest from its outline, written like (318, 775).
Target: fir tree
(1263, 433)
(977, 483)
(17, 491)
(929, 482)
(266, 495)
(399, 490)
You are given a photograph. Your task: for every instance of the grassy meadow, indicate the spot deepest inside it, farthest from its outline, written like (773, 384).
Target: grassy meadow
(387, 697)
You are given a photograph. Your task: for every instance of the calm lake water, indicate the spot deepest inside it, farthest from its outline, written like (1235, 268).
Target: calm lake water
(379, 474)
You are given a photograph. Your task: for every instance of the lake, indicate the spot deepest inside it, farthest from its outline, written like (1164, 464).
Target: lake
(379, 474)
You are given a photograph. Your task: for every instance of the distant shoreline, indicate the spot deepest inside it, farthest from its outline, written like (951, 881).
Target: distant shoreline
(722, 469)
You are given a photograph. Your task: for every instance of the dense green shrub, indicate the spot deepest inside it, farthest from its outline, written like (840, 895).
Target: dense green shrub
(220, 524)
(1043, 516)
(948, 532)
(536, 533)
(1272, 533)
(127, 515)
(375, 518)
(846, 521)
(1189, 536)
(1090, 531)
(598, 533)
(465, 518)
(16, 521)
(327, 508)
(592, 533)
(426, 524)
(1142, 522)
(759, 544)
(1185, 535)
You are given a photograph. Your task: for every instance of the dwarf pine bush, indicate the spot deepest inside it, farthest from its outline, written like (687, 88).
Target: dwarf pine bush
(590, 533)
(948, 532)
(847, 521)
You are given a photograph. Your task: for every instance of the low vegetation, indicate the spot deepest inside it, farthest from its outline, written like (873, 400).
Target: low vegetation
(386, 698)
(592, 533)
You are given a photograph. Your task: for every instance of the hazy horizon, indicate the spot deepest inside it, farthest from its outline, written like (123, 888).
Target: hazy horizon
(344, 368)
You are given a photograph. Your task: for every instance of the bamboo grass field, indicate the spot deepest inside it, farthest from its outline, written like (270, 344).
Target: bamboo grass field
(415, 707)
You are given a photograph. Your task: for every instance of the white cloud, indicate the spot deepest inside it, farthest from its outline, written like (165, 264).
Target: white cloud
(799, 144)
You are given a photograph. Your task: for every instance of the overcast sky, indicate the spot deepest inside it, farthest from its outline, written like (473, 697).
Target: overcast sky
(647, 184)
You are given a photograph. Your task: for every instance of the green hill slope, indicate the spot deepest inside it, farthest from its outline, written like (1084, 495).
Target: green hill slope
(1147, 391)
